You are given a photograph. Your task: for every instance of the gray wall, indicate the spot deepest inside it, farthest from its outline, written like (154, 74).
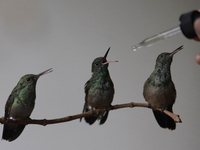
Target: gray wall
(68, 35)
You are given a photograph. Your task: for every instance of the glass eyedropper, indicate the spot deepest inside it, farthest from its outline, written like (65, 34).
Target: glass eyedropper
(151, 40)
(186, 27)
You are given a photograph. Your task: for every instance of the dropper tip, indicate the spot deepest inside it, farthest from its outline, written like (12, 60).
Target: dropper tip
(134, 48)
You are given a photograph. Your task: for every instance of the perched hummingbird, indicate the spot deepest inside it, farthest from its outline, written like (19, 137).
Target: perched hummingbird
(159, 90)
(20, 104)
(99, 90)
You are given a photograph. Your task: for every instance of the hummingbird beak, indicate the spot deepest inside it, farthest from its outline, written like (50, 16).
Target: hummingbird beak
(176, 50)
(107, 52)
(42, 73)
(104, 61)
(104, 58)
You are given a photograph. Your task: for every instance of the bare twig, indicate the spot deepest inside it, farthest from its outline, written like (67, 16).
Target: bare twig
(44, 122)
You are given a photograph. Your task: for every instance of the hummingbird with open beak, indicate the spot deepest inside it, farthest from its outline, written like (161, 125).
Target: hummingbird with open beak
(99, 90)
(159, 90)
(20, 105)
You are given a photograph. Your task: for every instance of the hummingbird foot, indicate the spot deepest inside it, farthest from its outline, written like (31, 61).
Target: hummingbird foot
(149, 105)
(163, 109)
(94, 112)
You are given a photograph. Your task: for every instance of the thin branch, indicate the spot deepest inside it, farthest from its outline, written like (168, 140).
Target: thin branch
(44, 122)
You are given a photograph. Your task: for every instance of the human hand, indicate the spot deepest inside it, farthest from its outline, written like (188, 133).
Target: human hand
(197, 30)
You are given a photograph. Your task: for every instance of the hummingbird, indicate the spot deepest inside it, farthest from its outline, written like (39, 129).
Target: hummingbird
(159, 90)
(99, 90)
(20, 105)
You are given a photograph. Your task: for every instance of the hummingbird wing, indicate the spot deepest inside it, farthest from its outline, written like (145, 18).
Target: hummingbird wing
(86, 88)
(11, 131)
(86, 108)
(8, 106)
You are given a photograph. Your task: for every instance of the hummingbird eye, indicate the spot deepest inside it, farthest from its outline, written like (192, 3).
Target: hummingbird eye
(96, 64)
(161, 56)
(28, 79)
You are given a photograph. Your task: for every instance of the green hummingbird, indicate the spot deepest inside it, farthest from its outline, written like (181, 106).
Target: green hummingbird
(159, 90)
(99, 90)
(20, 104)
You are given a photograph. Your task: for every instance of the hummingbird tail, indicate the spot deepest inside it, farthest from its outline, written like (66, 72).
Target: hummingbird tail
(164, 120)
(12, 131)
(104, 117)
(171, 124)
(89, 119)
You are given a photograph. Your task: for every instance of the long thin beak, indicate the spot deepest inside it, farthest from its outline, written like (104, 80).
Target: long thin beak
(44, 72)
(104, 61)
(176, 50)
(104, 58)
(106, 53)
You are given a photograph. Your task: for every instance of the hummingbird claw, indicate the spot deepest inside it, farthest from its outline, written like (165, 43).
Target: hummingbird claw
(149, 105)
(162, 109)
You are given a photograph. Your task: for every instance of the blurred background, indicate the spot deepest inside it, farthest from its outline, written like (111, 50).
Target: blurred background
(68, 35)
